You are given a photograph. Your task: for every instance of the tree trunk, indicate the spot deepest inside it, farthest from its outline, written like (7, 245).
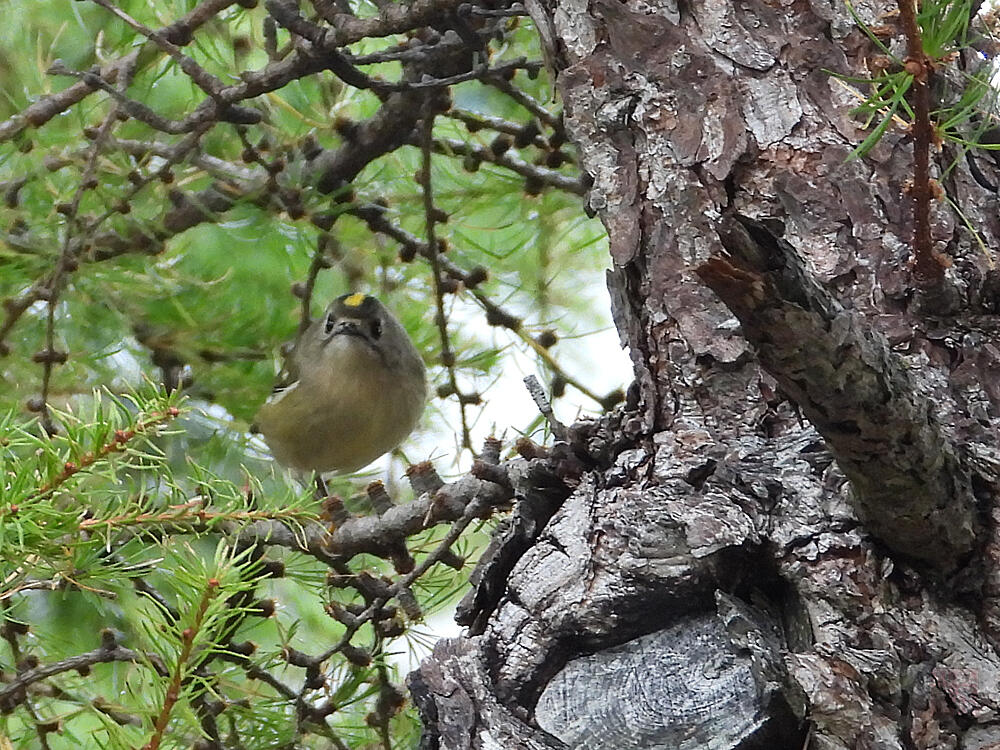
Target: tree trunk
(787, 537)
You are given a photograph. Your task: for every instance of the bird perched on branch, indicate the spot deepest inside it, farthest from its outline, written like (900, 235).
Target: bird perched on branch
(352, 389)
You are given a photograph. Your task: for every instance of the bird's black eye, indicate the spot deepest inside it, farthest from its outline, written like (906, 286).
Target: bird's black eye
(328, 324)
(376, 328)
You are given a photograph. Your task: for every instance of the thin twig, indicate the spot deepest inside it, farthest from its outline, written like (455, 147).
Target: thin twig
(201, 78)
(105, 246)
(540, 175)
(117, 444)
(526, 101)
(433, 255)
(929, 270)
(10, 632)
(318, 263)
(472, 511)
(45, 108)
(188, 637)
(67, 261)
(544, 406)
(475, 121)
(14, 691)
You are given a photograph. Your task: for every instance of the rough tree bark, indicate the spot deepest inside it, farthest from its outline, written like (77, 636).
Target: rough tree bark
(787, 538)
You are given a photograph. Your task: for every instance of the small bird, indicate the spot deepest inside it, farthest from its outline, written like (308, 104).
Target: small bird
(352, 389)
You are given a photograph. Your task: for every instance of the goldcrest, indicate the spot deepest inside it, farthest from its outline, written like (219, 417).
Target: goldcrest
(353, 388)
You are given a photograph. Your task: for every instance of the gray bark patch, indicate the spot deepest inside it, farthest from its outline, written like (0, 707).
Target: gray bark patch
(679, 688)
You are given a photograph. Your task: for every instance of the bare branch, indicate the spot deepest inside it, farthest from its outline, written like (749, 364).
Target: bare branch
(375, 534)
(14, 692)
(540, 175)
(542, 402)
(910, 481)
(180, 32)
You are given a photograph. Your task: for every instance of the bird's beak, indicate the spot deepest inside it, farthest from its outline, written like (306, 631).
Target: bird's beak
(349, 327)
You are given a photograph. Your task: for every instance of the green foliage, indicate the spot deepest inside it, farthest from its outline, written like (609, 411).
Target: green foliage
(944, 33)
(98, 517)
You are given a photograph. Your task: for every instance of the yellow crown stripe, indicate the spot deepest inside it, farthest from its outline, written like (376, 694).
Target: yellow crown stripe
(355, 300)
